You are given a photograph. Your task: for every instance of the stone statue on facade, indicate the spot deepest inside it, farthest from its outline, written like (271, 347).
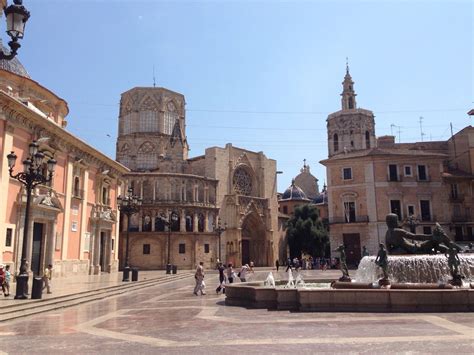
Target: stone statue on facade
(400, 241)
(343, 264)
(382, 261)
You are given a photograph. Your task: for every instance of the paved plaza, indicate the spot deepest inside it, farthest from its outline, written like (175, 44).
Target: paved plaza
(169, 319)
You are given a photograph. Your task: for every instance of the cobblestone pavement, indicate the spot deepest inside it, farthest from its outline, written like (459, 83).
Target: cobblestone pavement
(169, 319)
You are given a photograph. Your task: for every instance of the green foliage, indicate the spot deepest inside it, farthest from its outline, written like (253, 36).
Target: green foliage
(306, 233)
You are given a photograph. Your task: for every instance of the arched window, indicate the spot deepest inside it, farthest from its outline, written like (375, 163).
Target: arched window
(351, 103)
(160, 223)
(242, 182)
(336, 142)
(189, 223)
(77, 191)
(367, 139)
(201, 220)
(146, 226)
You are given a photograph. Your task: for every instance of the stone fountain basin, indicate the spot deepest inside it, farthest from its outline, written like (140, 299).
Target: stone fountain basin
(255, 295)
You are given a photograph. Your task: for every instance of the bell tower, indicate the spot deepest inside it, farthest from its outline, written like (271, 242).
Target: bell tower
(350, 128)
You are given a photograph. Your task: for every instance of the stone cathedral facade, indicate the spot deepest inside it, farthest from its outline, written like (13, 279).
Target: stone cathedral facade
(230, 185)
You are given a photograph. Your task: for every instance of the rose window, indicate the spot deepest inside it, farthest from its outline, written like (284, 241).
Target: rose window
(242, 182)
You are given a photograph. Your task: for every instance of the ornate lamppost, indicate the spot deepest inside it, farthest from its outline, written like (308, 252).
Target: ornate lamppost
(219, 230)
(412, 222)
(173, 218)
(31, 176)
(16, 15)
(129, 205)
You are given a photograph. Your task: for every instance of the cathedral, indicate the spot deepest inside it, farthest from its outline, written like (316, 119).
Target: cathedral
(186, 199)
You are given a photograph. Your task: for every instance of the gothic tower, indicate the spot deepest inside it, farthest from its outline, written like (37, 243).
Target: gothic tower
(350, 128)
(152, 130)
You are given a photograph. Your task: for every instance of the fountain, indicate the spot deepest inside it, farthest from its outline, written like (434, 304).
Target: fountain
(386, 283)
(270, 280)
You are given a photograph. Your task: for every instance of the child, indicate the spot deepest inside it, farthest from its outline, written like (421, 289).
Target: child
(6, 283)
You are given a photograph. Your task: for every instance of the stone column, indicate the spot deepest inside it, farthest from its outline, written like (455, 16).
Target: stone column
(153, 218)
(140, 221)
(67, 208)
(6, 148)
(195, 222)
(182, 224)
(49, 254)
(141, 188)
(154, 190)
(84, 216)
(29, 246)
(206, 222)
(96, 253)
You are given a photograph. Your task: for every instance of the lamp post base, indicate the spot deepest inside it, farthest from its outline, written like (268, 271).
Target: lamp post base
(168, 268)
(126, 274)
(21, 287)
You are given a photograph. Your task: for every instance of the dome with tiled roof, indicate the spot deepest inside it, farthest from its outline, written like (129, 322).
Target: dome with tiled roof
(13, 66)
(322, 198)
(294, 193)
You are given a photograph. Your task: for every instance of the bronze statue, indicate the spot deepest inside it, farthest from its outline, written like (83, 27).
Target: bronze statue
(453, 264)
(400, 241)
(382, 261)
(343, 264)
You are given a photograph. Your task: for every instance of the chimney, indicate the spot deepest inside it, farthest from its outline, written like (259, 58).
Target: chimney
(386, 141)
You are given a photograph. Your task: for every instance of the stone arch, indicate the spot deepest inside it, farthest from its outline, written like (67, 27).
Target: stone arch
(254, 245)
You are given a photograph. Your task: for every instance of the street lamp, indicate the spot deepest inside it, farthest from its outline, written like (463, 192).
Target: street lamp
(173, 218)
(128, 204)
(31, 176)
(219, 230)
(412, 222)
(16, 15)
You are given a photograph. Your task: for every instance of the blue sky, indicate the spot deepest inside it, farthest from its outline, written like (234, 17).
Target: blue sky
(262, 75)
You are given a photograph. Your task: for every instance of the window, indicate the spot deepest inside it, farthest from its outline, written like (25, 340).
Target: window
(454, 191)
(127, 124)
(77, 187)
(206, 248)
(395, 207)
(427, 230)
(351, 103)
(347, 173)
(469, 233)
(146, 226)
(146, 248)
(285, 209)
(408, 170)
(74, 226)
(392, 172)
(336, 142)
(422, 176)
(367, 139)
(411, 210)
(148, 121)
(105, 196)
(182, 248)
(425, 210)
(113, 244)
(8, 237)
(349, 212)
(170, 119)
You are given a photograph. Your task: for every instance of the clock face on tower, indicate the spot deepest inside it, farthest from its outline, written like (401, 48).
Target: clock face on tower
(171, 106)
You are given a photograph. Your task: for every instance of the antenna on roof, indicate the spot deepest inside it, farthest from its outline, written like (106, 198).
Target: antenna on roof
(154, 82)
(421, 127)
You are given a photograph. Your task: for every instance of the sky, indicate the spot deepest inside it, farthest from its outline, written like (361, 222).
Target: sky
(262, 75)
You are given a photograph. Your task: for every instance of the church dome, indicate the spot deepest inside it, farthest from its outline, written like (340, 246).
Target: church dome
(294, 193)
(13, 66)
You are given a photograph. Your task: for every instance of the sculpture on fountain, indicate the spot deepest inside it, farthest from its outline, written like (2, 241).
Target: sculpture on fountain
(453, 263)
(400, 241)
(343, 264)
(382, 261)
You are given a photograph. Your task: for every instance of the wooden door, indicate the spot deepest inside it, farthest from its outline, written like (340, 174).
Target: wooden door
(353, 249)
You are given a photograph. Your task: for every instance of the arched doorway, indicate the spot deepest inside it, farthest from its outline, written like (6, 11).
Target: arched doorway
(254, 245)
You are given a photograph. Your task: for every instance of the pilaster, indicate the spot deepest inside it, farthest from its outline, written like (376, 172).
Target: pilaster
(67, 209)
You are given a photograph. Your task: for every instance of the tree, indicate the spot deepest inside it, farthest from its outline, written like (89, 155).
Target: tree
(306, 233)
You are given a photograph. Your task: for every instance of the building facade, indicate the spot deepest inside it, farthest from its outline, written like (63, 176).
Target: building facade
(229, 186)
(422, 182)
(74, 218)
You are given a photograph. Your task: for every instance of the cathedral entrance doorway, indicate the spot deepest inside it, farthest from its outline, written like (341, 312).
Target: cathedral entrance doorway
(37, 252)
(254, 247)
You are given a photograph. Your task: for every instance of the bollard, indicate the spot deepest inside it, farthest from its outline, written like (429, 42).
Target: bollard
(37, 291)
(134, 274)
(175, 269)
(168, 268)
(126, 274)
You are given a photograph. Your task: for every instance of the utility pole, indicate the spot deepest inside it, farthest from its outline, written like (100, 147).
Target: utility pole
(421, 127)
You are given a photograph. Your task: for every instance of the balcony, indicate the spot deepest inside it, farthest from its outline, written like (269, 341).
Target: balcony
(462, 217)
(358, 219)
(456, 198)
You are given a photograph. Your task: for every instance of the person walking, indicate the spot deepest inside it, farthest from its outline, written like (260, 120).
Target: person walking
(199, 276)
(6, 283)
(230, 274)
(277, 264)
(47, 276)
(288, 265)
(221, 269)
(2, 278)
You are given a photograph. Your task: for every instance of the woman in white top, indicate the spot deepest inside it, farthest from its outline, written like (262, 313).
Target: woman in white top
(230, 273)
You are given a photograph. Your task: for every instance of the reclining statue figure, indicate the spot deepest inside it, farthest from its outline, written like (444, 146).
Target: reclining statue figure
(400, 241)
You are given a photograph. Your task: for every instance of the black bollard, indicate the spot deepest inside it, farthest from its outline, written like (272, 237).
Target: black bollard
(134, 274)
(168, 268)
(37, 291)
(175, 269)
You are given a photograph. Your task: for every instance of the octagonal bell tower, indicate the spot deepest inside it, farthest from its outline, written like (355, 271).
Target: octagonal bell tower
(151, 129)
(350, 128)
